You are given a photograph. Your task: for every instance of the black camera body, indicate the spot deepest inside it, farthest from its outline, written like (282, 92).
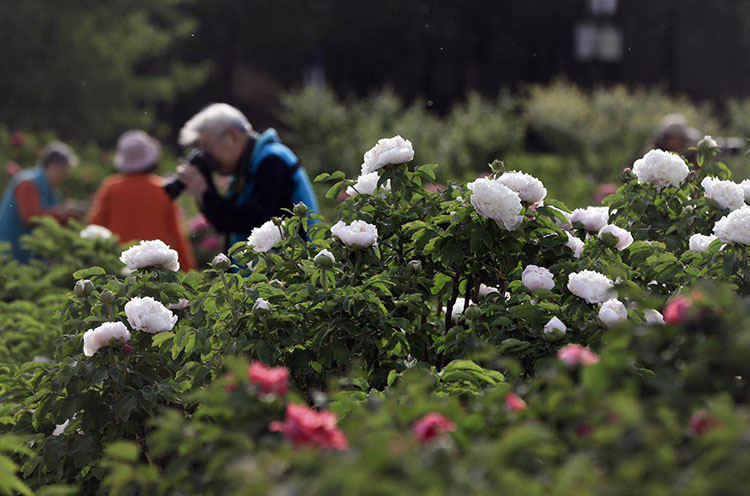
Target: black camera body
(197, 157)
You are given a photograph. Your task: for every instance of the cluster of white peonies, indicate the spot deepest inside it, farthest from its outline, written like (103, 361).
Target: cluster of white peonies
(612, 312)
(154, 253)
(528, 188)
(367, 184)
(387, 151)
(592, 218)
(575, 244)
(93, 339)
(497, 202)
(592, 286)
(700, 242)
(727, 194)
(660, 169)
(621, 237)
(264, 237)
(148, 315)
(734, 227)
(357, 234)
(93, 231)
(535, 278)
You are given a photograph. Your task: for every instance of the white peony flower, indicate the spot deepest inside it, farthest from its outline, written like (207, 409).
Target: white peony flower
(591, 286)
(458, 308)
(367, 184)
(485, 291)
(261, 304)
(496, 201)
(745, 185)
(358, 233)
(529, 188)
(734, 227)
(181, 304)
(153, 253)
(575, 244)
(592, 218)
(699, 242)
(566, 226)
(534, 278)
(727, 194)
(661, 169)
(653, 317)
(264, 237)
(624, 238)
(612, 312)
(60, 428)
(93, 339)
(555, 323)
(707, 142)
(396, 150)
(93, 231)
(147, 314)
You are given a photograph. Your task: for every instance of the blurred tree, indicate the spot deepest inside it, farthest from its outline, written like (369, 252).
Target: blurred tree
(90, 69)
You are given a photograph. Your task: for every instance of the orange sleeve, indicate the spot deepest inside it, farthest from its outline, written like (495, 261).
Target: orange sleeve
(182, 245)
(26, 197)
(99, 210)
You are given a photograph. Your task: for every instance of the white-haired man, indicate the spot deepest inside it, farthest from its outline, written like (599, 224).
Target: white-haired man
(266, 176)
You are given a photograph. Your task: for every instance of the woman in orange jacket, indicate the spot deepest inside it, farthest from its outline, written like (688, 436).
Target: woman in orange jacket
(133, 204)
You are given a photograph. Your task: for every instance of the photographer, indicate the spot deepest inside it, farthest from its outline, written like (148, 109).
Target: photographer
(265, 175)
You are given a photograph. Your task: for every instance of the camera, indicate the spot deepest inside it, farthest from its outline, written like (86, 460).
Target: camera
(197, 157)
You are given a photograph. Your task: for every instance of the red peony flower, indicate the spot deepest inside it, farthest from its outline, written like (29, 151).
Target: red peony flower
(700, 423)
(18, 139)
(270, 380)
(305, 426)
(575, 354)
(514, 403)
(430, 426)
(676, 310)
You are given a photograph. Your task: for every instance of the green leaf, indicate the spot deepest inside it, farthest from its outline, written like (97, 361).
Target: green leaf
(90, 272)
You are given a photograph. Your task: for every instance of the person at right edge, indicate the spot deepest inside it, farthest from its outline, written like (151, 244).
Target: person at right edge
(265, 175)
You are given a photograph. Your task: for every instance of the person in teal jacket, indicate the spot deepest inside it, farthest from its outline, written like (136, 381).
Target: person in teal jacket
(265, 175)
(33, 193)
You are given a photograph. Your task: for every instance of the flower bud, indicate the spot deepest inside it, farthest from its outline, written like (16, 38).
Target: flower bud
(473, 312)
(126, 349)
(415, 266)
(107, 297)
(261, 307)
(300, 209)
(221, 262)
(84, 287)
(276, 221)
(276, 284)
(627, 174)
(324, 259)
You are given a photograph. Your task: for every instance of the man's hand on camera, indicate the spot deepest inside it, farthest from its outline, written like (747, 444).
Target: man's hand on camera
(193, 179)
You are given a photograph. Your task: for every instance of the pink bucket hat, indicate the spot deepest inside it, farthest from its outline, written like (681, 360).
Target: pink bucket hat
(136, 152)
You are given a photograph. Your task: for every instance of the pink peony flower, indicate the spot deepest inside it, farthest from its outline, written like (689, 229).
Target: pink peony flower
(513, 403)
(211, 243)
(575, 354)
(434, 188)
(431, 426)
(676, 310)
(12, 168)
(198, 224)
(270, 380)
(604, 191)
(18, 139)
(305, 426)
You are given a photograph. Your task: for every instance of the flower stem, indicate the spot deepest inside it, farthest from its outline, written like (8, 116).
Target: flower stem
(229, 297)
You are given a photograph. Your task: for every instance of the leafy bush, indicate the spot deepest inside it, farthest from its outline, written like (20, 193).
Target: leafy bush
(413, 320)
